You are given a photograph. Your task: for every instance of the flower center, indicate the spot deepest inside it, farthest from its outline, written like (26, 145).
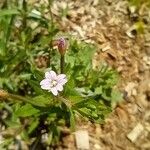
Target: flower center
(54, 83)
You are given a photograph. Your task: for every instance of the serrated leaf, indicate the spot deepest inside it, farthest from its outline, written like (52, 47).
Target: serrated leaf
(42, 100)
(26, 111)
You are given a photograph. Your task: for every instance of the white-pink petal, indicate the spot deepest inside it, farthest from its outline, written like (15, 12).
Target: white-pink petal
(50, 75)
(54, 91)
(61, 76)
(63, 81)
(45, 81)
(45, 84)
(53, 75)
(59, 87)
(45, 87)
(47, 75)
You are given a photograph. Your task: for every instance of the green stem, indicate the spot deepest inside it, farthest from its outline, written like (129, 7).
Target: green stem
(66, 102)
(20, 98)
(51, 30)
(62, 63)
(24, 22)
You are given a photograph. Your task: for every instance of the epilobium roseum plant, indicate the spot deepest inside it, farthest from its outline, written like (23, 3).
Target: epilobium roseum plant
(37, 106)
(53, 82)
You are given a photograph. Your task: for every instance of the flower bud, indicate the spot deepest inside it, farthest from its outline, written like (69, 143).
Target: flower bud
(62, 46)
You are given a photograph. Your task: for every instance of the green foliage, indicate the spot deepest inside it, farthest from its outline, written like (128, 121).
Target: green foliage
(138, 3)
(137, 8)
(25, 53)
(26, 111)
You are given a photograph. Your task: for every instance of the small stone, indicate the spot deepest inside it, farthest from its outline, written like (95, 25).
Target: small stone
(97, 147)
(132, 9)
(132, 31)
(134, 92)
(82, 139)
(120, 68)
(135, 133)
(105, 47)
(145, 58)
(129, 88)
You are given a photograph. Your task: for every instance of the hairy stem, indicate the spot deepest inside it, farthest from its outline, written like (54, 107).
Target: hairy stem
(51, 30)
(24, 22)
(7, 96)
(66, 102)
(62, 63)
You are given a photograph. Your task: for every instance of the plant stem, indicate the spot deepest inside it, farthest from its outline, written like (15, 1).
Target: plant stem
(62, 63)
(66, 102)
(20, 98)
(24, 22)
(51, 30)
(6, 96)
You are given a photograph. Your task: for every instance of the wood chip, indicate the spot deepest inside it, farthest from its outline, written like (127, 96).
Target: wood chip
(82, 139)
(135, 133)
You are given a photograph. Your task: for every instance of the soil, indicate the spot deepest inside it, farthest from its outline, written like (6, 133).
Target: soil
(110, 24)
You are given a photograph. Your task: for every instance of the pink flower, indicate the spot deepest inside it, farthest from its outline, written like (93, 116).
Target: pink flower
(53, 82)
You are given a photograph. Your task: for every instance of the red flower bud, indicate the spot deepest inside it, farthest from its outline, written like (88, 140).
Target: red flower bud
(62, 46)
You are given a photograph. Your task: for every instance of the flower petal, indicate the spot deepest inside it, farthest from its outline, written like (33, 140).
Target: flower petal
(45, 81)
(61, 76)
(54, 91)
(50, 75)
(47, 75)
(59, 87)
(62, 81)
(45, 84)
(45, 87)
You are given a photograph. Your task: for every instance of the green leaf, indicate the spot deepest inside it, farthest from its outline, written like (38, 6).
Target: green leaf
(5, 143)
(12, 124)
(7, 12)
(72, 120)
(26, 111)
(42, 100)
(33, 125)
(116, 96)
(98, 90)
(38, 74)
(36, 86)
(25, 76)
